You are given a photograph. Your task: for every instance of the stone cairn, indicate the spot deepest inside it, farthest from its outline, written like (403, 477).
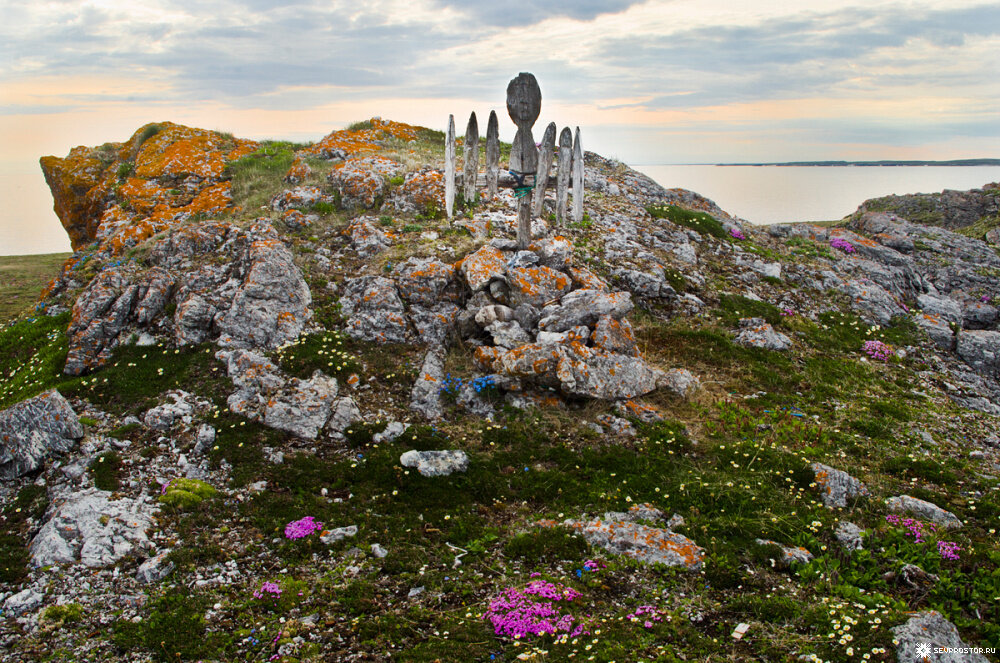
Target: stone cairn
(528, 171)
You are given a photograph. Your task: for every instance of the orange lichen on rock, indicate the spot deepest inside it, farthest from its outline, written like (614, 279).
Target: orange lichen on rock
(96, 191)
(362, 141)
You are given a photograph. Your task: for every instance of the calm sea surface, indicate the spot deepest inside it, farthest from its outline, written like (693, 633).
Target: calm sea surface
(782, 194)
(766, 194)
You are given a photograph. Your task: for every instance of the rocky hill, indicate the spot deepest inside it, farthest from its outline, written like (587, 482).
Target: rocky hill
(275, 407)
(974, 213)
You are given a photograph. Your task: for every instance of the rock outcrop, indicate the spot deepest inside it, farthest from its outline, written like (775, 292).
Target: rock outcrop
(34, 429)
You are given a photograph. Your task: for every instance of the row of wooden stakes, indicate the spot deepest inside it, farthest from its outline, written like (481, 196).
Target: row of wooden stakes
(569, 168)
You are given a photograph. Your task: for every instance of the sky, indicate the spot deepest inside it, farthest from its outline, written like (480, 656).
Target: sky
(657, 81)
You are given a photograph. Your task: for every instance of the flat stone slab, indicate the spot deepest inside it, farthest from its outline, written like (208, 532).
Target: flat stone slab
(436, 463)
(32, 430)
(923, 509)
(649, 545)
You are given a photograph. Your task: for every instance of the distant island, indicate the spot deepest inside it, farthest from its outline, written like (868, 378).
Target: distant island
(954, 162)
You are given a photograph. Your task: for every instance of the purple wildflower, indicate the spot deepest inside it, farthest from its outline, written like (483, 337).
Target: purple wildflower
(737, 233)
(877, 350)
(534, 610)
(842, 244)
(787, 312)
(918, 529)
(985, 299)
(268, 589)
(298, 529)
(948, 550)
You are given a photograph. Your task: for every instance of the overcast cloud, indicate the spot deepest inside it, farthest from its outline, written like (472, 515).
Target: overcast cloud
(840, 72)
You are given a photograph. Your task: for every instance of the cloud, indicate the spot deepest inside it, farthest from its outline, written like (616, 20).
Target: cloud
(527, 12)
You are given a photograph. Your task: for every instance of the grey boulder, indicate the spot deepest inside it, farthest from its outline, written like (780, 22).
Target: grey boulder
(32, 430)
(436, 463)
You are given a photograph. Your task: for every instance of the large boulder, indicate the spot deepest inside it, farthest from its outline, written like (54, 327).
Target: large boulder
(923, 509)
(836, 486)
(980, 349)
(92, 529)
(32, 430)
(584, 307)
(924, 633)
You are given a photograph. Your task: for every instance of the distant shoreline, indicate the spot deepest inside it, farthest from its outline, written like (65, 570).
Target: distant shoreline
(953, 162)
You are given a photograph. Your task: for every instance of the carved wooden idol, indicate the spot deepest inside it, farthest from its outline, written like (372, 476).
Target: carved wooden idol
(524, 103)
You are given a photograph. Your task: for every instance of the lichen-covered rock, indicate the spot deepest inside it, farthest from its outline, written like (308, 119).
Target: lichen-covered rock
(170, 172)
(301, 197)
(32, 430)
(644, 284)
(343, 413)
(614, 336)
(849, 536)
(154, 569)
(681, 382)
(482, 266)
(923, 509)
(180, 407)
(555, 252)
(789, 554)
(649, 545)
(426, 281)
(375, 311)
(584, 307)
(755, 333)
(435, 326)
(508, 334)
(363, 182)
(426, 395)
(255, 297)
(422, 192)
(836, 486)
(302, 407)
(271, 305)
(981, 351)
(92, 529)
(924, 633)
(979, 315)
(298, 172)
(938, 329)
(537, 285)
(366, 238)
(25, 601)
(436, 463)
(873, 302)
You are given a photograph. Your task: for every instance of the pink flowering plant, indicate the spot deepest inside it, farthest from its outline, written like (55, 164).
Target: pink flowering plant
(299, 529)
(647, 615)
(878, 350)
(842, 244)
(921, 532)
(539, 608)
(736, 233)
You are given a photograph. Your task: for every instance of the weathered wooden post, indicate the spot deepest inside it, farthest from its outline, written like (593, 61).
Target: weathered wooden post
(492, 154)
(470, 168)
(562, 177)
(577, 178)
(544, 165)
(449, 168)
(524, 103)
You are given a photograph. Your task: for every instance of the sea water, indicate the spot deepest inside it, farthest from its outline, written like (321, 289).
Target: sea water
(785, 194)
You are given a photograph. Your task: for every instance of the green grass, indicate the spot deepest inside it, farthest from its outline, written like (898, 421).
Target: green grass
(700, 222)
(29, 504)
(106, 470)
(22, 279)
(32, 356)
(257, 177)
